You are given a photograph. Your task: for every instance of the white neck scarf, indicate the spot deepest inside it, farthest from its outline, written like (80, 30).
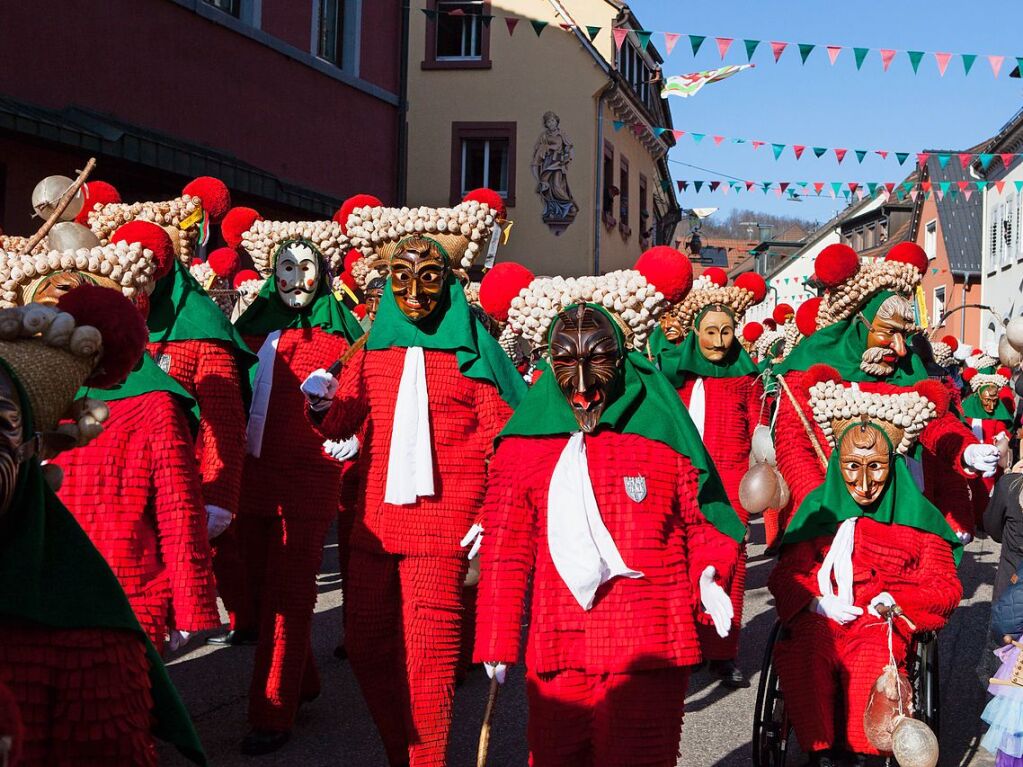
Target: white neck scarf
(698, 405)
(410, 462)
(261, 386)
(838, 563)
(582, 549)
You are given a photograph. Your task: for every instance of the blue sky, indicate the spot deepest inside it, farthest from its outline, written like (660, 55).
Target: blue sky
(834, 106)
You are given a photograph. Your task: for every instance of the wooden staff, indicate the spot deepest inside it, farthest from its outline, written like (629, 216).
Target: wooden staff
(806, 424)
(62, 203)
(484, 747)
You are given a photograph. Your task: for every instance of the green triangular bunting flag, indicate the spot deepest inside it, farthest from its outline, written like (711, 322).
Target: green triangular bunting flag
(538, 26)
(860, 154)
(696, 41)
(860, 54)
(915, 58)
(593, 32)
(698, 185)
(872, 186)
(943, 159)
(901, 157)
(1019, 185)
(837, 187)
(820, 151)
(751, 46)
(985, 160)
(644, 38)
(968, 59)
(778, 149)
(805, 49)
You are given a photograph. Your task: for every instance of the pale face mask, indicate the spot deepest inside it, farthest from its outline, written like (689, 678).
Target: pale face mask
(297, 275)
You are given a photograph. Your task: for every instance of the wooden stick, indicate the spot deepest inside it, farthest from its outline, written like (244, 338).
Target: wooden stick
(62, 203)
(806, 424)
(484, 747)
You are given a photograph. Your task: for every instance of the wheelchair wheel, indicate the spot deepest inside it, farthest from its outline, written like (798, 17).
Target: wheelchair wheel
(771, 726)
(923, 674)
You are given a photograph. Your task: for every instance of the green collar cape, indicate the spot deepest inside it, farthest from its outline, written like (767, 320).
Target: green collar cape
(679, 361)
(901, 503)
(148, 377)
(450, 327)
(841, 346)
(180, 310)
(646, 405)
(51, 574)
(973, 409)
(268, 313)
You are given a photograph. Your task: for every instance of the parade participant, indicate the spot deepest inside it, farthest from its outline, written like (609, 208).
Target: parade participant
(868, 531)
(428, 394)
(289, 487)
(863, 324)
(717, 381)
(990, 419)
(89, 688)
(604, 498)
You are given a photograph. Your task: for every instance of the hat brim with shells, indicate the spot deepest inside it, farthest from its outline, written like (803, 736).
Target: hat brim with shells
(977, 380)
(263, 240)
(711, 289)
(181, 217)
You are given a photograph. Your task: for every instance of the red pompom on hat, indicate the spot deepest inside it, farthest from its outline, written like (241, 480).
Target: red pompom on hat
(244, 276)
(94, 192)
(353, 202)
(216, 199)
(951, 341)
(500, 286)
(806, 316)
(195, 261)
(909, 253)
(782, 312)
(152, 237)
(236, 222)
(491, 198)
(224, 262)
(668, 270)
(816, 374)
(835, 264)
(351, 257)
(118, 321)
(1004, 371)
(754, 283)
(716, 275)
(359, 310)
(348, 280)
(752, 331)
(936, 392)
(968, 374)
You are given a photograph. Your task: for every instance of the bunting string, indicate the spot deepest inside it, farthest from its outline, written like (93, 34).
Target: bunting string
(847, 189)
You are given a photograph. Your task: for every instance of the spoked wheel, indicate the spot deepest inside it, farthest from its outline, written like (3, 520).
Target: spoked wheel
(771, 726)
(923, 674)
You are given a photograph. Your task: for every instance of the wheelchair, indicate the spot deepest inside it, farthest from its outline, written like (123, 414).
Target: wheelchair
(772, 729)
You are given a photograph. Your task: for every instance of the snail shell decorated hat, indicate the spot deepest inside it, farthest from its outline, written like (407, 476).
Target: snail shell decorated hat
(837, 405)
(944, 351)
(977, 380)
(711, 289)
(263, 239)
(851, 284)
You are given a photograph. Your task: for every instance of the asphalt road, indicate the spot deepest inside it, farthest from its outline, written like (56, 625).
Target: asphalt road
(336, 729)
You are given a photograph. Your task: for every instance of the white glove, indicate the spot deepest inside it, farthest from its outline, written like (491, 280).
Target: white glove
(475, 538)
(963, 537)
(716, 602)
(319, 389)
(983, 459)
(496, 671)
(217, 520)
(884, 598)
(178, 639)
(834, 608)
(343, 450)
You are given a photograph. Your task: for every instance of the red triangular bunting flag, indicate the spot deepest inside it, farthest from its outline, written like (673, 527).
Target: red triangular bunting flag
(718, 140)
(620, 35)
(887, 54)
(783, 185)
(678, 134)
(999, 185)
(566, 27)
(750, 185)
(1007, 159)
(670, 38)
(962, 185)
(942, 59)
(853, 186)
(833, 51)
(996, 64)
(921, 158)
(818, 186)
(965, 159)
(757, 144)
(724, 43)
(925, 185)
(778, 49)
(798, 150)
(714, 185)
(882, 152)
(967, 193)
(840, 155)
(889, 187)
(512, 22)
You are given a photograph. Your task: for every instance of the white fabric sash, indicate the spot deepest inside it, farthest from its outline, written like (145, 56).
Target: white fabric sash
(838, 563)
(698, 405)
(581, 547)
(261, 387)
(977, 426)
(410, 462)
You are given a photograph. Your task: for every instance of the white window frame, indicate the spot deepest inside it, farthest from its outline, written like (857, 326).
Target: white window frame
(475, 32)
(486, 166)
(351, 42)
(931, 239)
(999, 227)
(250, 12)
(937, 304)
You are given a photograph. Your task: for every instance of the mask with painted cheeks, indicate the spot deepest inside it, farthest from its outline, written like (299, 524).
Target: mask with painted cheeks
(866, 457)
(374, 290)
(419, 271)
(715, 331)
(586, 356)
(297, 274)
(988, 397)
(888, 336)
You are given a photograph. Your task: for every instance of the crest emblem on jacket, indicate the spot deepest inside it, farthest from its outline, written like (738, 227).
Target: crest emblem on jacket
(635, 488)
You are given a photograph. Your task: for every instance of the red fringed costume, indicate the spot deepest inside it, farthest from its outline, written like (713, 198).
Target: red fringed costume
(606, 686)
(135, 492)
(734, 408)
(821, 661)
(403, 612)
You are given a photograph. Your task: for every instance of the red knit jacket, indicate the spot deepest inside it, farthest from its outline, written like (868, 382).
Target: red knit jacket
(292, 474)
(647, 622)
(207, 370)
(914, 566)
(734, 408)
(135, 492)
(943, 440)
(466, 415)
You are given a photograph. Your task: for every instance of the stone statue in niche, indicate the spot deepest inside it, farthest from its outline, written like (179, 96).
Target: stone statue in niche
(552, 155)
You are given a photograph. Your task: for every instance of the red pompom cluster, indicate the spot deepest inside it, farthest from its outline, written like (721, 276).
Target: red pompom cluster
(1005, 371)
(244, 276)
(806, 316)
(351, 257)
(819, 373)
(752, 331)
(782, 312)
(500, 285)
(348, 280)
(216, 199)
(936, 392)
(668, 270)
(152, 237)
(835, 264)
(224, 262)
(909, 253)
(754, 283)
(491, 198)
(94, 192)
(356, 201)
(359, 310)
(120, 324)
(236, 222)
(716, 275)
(968, 374)
(951, 341)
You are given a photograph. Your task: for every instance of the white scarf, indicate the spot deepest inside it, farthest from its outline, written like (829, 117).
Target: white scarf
(581, 547)
(261, 386)
(698, 405)
(838, 563)
(410, 462)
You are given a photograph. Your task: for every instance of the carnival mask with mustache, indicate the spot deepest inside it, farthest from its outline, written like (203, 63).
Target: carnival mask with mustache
(297, 274)
(419, 271)
(988, 397)
(586, 358)
(888, 336)
(866, 463)
(716, 334)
